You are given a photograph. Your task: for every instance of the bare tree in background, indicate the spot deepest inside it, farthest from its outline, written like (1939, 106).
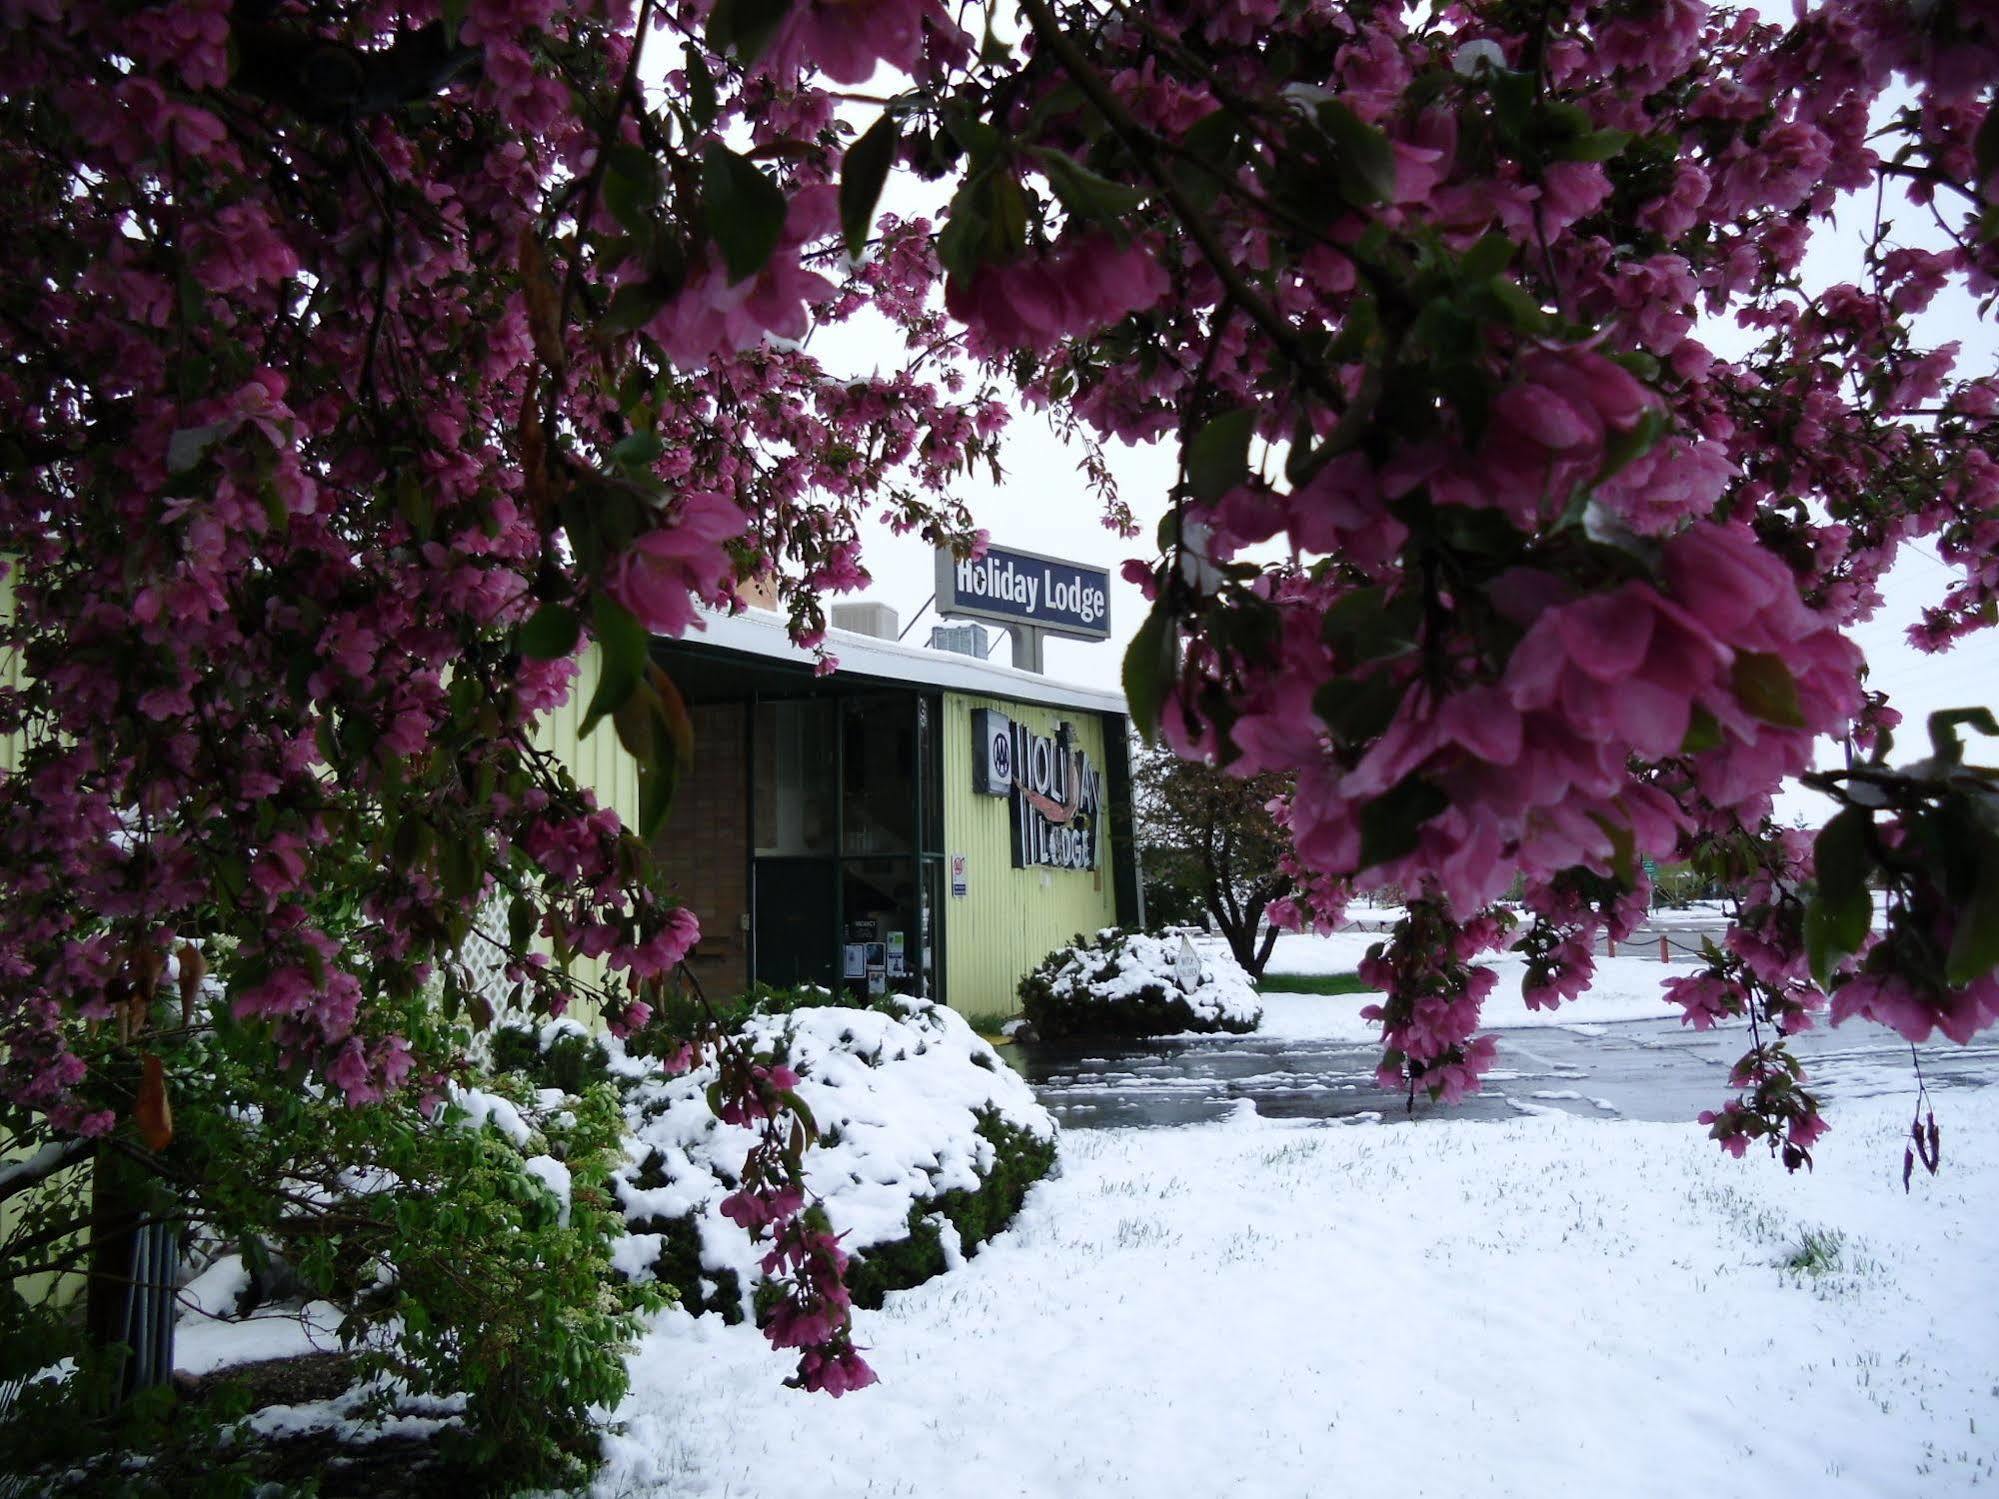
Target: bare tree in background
(1209, 844)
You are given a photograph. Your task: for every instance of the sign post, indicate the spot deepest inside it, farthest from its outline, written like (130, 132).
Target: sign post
(1032, 595)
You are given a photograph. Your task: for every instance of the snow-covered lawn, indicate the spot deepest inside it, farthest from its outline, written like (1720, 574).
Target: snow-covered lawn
(1544, 1307)
(1625, 988)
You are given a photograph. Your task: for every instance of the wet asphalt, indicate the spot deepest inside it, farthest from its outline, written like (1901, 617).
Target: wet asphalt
(1638, 1069)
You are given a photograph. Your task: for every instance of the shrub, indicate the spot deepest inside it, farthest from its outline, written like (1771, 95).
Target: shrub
(467, 1249)
(927, 1145)
(1125, 984)
(1020, 1159)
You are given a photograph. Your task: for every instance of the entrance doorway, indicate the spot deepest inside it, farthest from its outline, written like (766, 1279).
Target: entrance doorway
(848, 850)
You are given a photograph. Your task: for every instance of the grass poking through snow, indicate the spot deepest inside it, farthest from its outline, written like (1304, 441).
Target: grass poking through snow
(1313, 983)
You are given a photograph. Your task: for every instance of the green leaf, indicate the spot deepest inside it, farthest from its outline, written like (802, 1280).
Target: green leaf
(1356, 710)
(1517, 305)
(655, 727)
(1596, 145)
(1392, 824)
(633, 305)
(1943, 731)
(460, 868)
(960, 241)
(1083, 192)
(1151, 663)
(1206, 158)
(414, 504)
(1218, 454)
(624, 647)
(1703, 732)
(745, 26)
(631, 187)
(1627, 445)
(1766, 688)
(745, 210)
(700, 88)
(1985, 145)
(862, 174)
(1840, 910)
(986, 222)
(1623, 848)
(804, 1115)
(1366, 625)
(1366, 159)
(637, 452)
(1974, 949)
(1486, 259)
(552, 633)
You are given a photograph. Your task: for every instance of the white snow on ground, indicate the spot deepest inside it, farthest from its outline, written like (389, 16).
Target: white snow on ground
(1307, 953)
(346, 1415)
(202, 1346)
(1700, 913)
(217, 1290)
(1544, 1307)
(1624, 989)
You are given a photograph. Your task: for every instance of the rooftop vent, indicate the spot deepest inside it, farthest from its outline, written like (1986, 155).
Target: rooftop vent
(966, 639)
(877, 620)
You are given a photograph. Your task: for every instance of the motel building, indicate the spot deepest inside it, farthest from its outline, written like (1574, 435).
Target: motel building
(922, 820)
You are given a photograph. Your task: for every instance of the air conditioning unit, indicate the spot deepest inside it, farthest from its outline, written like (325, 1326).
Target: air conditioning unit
(965, 639)
(877, 620)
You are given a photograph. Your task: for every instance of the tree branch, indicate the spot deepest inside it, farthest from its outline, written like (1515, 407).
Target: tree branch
(19, 1176)
(1142, 147)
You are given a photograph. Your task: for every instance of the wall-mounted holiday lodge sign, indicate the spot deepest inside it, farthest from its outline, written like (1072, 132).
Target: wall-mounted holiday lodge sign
(1056, 793)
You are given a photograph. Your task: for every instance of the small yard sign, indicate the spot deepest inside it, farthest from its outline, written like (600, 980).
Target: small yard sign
(1187, 966)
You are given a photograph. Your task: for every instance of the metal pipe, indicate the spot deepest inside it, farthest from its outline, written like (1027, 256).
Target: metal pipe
(169, 1268)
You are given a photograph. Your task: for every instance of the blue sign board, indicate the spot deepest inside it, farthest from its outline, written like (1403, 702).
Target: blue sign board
(1027, 589)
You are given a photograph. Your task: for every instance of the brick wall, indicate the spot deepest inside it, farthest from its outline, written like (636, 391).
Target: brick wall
(705, 847)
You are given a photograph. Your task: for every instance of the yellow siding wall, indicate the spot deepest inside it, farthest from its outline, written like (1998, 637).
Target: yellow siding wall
(1010, 919)
(598, 762)
(10, 672)
(49, 1196)
(601, 764)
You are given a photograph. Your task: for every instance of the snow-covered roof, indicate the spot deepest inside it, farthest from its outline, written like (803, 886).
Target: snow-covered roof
(763, 632)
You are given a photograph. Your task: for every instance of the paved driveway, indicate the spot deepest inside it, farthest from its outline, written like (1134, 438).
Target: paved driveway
(1639, 1069)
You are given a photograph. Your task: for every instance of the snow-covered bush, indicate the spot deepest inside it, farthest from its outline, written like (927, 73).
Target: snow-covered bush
(1127, 984)
(927, 1143)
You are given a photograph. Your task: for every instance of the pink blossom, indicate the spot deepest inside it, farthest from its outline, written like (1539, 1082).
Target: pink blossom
(847, 39)
(667, 570)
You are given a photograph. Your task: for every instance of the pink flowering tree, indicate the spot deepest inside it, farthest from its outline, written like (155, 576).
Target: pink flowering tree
(1431, 311)
(364, 357)
(362, 362)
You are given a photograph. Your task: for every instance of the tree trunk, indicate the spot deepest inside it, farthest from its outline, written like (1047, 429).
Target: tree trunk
(1264, 949)
(115, 1192)
(1241, 934)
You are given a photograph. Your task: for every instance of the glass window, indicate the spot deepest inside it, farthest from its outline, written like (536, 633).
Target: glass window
(794, 778)
(878, 801)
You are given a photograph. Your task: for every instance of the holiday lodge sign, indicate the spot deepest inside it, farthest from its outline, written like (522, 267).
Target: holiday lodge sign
(1056, 794)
